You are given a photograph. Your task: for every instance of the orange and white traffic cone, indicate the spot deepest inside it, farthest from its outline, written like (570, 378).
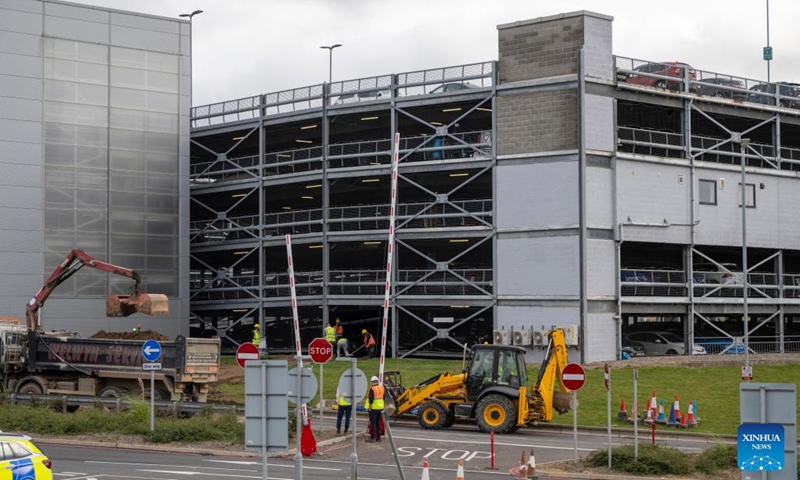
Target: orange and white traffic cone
(691, 421)
(425, 473)
(653, 406)
(649, 420)
(532, 466)
(622, 415)
(523, 467)
(460, 471)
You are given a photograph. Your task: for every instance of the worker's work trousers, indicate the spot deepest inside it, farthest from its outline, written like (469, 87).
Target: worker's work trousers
(343, 411)
(341, 349)
(375, 424)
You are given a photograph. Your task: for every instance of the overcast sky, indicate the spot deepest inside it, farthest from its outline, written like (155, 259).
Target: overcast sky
(249, 47)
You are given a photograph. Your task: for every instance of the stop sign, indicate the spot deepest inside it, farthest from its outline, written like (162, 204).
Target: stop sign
(320, 350)
(246, 351)
(573, 376)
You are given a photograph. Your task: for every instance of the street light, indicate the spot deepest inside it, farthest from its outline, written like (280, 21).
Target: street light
(743, 145)
(330, 60)
(191, 57)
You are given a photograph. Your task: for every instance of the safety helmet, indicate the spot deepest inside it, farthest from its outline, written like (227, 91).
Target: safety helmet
(364, 331)
(374, 379)
(256, 326)
(337, 320)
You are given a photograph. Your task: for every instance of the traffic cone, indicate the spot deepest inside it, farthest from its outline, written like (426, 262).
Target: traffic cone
(672, 420)
(425, 473)
(460, 471)
(696, 417)
(634, 414)
(691, 421)
(661, 419)
(653, 407)
(648, 420)
(523, 467)
(622, 415)
(683, 422)
(532, 466)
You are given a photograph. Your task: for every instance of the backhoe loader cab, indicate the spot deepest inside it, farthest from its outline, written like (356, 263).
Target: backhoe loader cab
(494, 366)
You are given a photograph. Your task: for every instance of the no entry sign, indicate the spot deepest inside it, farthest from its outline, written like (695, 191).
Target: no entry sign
(246, 351)
(573, 376)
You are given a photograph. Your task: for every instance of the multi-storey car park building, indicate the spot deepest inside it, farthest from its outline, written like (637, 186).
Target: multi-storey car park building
(94, 137)
(559, 185)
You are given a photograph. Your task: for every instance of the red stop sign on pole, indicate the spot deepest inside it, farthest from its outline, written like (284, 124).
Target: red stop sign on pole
(246, 351)
(573, 376)
(320, 350)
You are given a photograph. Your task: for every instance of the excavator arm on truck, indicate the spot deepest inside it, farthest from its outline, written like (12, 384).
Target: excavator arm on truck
(116, 305)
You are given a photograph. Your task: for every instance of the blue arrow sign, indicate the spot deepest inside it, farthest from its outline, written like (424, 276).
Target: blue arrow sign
(151, 350)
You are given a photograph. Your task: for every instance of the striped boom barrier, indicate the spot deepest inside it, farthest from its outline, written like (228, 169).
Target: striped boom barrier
(389, 255)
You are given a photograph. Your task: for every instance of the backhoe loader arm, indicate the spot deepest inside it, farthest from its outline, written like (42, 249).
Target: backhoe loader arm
(117, 305)
(544, 395)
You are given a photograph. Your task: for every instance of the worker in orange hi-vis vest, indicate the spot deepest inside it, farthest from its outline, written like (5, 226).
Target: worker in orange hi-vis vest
(369, 343)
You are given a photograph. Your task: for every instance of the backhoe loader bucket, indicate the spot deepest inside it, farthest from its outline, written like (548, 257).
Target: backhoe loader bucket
(561, 402)
(147, 303)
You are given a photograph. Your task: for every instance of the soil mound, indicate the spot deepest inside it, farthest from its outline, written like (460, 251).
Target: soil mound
(138, 335)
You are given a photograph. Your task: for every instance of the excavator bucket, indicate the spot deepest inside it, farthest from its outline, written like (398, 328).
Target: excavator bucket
(147, 303)
(561, 402)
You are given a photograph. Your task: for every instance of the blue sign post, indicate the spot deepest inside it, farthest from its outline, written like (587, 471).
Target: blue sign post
(151, 351)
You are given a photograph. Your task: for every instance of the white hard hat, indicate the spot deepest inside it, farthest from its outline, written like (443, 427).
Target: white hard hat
(374, 379)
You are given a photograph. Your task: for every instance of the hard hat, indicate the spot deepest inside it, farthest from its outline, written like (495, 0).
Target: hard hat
(256, 326)
(374, 379)
(337, 320)
(364, 331)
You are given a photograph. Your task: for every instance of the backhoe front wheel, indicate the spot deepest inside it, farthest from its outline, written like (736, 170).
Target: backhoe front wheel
(496, 413)
(432, 415)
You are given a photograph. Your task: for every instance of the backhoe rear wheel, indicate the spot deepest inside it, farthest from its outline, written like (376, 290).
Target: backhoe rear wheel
(432, 415)
(496, 413)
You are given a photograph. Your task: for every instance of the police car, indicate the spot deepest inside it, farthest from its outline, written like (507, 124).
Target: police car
(21, 459)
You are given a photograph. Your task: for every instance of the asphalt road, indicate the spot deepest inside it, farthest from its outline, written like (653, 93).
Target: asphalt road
(375, 461)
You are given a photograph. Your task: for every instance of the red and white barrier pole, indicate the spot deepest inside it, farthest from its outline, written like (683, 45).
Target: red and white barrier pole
(299, 411)
(389, 255)
(491, 449)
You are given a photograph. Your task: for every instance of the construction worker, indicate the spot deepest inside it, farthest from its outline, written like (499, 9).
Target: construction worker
(257, 335)
(374, 406)
(330, 334)
(369, 343)
(339, 329)
(137, 328)
(343, 410)
(342, 347)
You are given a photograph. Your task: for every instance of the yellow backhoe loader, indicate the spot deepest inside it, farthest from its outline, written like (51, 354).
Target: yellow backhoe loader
(492, 390)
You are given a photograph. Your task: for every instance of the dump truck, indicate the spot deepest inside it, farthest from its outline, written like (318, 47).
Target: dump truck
(33, 361)
(492, 390)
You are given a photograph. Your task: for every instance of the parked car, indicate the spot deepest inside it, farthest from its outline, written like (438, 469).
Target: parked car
(790, 94)
(717, 88)
(721, 344)
(22, 459)
(364, 96)
(634, 276)
(659, 343)
(724, 273)
(453, 87)
(641, 75)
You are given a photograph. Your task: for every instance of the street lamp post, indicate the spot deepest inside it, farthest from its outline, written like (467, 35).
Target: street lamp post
(330, 60)
(743, 145)
(191, 56)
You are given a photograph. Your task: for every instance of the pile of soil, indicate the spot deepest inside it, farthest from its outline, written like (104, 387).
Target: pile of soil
(138, 335)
